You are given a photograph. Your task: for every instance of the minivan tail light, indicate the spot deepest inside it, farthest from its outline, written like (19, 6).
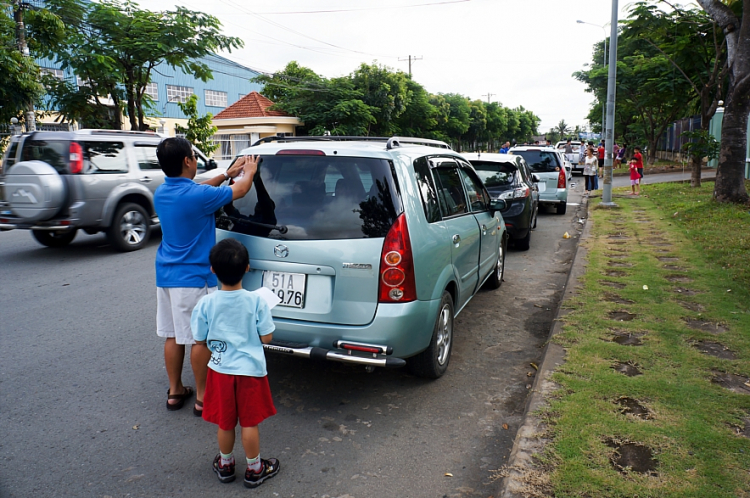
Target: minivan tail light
(561, 178)
(396, 276)
(300, 152)
(76, 158)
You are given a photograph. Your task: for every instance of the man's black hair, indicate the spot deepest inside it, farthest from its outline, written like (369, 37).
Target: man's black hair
(172, 153)
(229, 260)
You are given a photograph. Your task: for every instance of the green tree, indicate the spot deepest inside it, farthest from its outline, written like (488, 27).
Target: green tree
(730, 185)
(419, 119)
(562, 129)
(386, 94)
(122, 43)
(200, 130)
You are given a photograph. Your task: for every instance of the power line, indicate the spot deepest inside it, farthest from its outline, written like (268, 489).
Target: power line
(366, 8)
(411, 58)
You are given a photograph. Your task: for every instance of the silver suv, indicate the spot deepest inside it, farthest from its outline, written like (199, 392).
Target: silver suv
(55, 183)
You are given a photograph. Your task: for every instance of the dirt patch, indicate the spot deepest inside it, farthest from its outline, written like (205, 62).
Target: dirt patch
(619, 236)
(715, 349)
(629, 368)
(678, 278)
(632, 457)
(662, 251)
(616, 285)
(743, 431)
(698, 308)
(621, 316)
(667, 259)
(643, 221)
(617, 243)
(704, 326)
(633, 407)
(617, 264)
(628, 340)
(615, 273)
(735, 383)
(617, 249)
(674, 268)
(687, 292)
(614, 298)
(616, 256)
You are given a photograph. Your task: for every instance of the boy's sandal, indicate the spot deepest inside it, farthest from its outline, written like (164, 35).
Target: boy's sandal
(196, 411)
(186, 394)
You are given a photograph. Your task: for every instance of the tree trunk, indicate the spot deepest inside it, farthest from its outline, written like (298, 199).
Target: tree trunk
(695, 175)
(730, 177)
(652, 150)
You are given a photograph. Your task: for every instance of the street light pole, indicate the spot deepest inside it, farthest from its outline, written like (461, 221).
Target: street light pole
(611, 87)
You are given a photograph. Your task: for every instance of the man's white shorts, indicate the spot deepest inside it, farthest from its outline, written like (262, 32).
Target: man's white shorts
(174, 306)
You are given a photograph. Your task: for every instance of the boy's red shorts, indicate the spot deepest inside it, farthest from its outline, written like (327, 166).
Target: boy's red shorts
(232, 397)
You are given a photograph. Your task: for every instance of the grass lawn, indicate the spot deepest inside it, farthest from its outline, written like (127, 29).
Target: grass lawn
(654, 397)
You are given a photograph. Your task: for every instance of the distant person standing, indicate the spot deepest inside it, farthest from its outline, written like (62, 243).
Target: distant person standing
(589, 169)
(183, 273)
(635, 179)
(638, 158)
(505, 148)
(615, 151)
(548, 143)
(568, 147)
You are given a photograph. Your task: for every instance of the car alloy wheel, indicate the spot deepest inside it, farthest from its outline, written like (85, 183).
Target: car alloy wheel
(133, 227)
(130, 228)
(444, 334)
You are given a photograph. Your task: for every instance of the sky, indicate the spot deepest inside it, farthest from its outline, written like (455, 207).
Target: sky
(516, 52)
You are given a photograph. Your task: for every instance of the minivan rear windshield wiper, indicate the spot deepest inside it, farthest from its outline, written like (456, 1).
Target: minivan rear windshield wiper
(239, 221)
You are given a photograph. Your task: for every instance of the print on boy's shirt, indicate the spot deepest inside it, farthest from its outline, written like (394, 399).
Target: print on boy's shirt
(216, 347)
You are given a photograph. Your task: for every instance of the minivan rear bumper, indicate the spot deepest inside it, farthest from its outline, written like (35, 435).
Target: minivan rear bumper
(405, 327)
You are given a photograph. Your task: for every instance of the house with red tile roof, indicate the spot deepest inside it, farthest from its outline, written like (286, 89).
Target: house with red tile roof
(248, 120)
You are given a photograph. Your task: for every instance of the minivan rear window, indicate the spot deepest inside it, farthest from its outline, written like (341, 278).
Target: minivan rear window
(540, 161)
(495, 174)
(316, 198)
(53, 152)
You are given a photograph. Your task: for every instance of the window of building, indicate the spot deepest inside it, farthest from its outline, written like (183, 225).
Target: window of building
(178, 93)
(216, 99)
(152, 90)
(82, 82)
(241, 95)
(57, 73)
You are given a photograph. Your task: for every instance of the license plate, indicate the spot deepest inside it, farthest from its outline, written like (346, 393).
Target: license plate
(289, 287)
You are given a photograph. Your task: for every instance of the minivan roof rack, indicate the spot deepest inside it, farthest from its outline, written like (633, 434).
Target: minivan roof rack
(117, 132)
(391, 142)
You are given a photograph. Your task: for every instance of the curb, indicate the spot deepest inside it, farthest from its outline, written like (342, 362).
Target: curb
(529, 438)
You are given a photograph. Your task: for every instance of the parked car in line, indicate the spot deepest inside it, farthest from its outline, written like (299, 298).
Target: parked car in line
(573, 156)
(373, 245)
(553, 180)
(508, 177)
(55, 183)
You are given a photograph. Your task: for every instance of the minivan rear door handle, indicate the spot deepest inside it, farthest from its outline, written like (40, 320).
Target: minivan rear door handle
(146, 179)
(456, 239)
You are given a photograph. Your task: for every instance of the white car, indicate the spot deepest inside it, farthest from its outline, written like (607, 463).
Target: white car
(573, 156)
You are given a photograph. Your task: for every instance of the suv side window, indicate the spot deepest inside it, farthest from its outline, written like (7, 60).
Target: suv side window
(10, 156)
(450, 191)
(146, 157)
(427, 191)
(104, 157)
(53, 152)
(478, 198)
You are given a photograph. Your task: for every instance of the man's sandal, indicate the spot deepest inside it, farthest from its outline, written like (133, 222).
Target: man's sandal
(196, 411)
(187, 394)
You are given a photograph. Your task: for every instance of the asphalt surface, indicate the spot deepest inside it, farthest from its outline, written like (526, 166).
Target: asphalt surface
(82, 390)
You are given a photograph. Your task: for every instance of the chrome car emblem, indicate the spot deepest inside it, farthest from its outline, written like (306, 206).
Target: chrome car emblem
(281, 251)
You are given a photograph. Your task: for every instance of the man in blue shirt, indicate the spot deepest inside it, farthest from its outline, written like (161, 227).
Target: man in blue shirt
(505, 148)
(183, 273)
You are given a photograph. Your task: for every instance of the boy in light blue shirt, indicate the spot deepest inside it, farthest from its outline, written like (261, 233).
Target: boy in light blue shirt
(235, 323)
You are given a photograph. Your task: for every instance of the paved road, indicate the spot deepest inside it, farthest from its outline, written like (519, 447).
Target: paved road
(83, 388)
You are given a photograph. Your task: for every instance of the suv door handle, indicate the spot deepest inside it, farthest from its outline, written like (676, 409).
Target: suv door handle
(456, 239)
(146, 179)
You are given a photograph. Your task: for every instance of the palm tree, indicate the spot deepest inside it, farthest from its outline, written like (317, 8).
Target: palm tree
(563, 129)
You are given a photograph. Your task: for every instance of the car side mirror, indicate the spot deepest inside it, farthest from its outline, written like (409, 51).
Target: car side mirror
(498, 205)
(211, 164)
(535, 178)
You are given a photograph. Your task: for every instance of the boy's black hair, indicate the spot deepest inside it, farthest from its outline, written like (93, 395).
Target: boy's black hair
(637, 148)
(229, 260)
(171, 153)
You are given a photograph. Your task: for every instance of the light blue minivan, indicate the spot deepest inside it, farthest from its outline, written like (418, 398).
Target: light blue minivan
(373, 246)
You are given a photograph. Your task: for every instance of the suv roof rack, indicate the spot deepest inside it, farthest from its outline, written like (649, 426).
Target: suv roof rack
(390, 142)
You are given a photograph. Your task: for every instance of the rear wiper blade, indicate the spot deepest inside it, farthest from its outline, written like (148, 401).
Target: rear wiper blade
(281, 228)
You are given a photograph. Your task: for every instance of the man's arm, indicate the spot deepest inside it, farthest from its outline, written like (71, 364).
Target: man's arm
(241, 186)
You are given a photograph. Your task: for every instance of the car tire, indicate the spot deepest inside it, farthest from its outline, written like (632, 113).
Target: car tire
(536, 217)
(562, 207)
(51, 238)
(496, 279)
(524, 243)
(432, 363)
(130, 228)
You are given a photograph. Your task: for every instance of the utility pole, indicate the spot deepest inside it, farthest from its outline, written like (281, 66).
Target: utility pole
(611, 87)
(21, 37)
(489, 96)
(411, 58)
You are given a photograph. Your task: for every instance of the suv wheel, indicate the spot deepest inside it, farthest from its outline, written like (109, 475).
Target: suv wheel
(524, 243)
(496, 279)
(130, 228)
(562, 207)
(51, 238)
(433, 361)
